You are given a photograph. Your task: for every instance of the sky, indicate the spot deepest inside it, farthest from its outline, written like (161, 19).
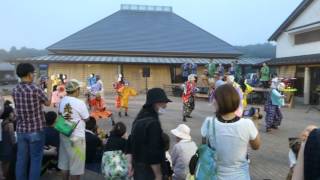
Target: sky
(40, 23)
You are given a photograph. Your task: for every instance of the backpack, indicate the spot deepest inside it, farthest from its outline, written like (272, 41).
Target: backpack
(114, 165)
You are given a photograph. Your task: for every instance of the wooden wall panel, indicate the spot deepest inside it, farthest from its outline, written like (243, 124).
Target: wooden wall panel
(160, 75)
(287, 71)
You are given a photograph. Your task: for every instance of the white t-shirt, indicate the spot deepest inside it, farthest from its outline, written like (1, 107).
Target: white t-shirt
(232, 141)
(79, 112)
(292, 158)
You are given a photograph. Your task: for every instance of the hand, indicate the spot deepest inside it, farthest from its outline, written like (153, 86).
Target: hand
(130, 170)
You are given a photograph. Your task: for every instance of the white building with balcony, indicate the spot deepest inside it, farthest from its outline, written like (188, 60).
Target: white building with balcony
(298, 49)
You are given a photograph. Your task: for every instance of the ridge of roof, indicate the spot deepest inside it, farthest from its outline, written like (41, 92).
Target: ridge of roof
(292, 17)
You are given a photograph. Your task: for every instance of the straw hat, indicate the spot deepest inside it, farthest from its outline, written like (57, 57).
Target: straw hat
(182, 132)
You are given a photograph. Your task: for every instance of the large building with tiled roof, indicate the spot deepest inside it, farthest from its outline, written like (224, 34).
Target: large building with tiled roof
(131, 39)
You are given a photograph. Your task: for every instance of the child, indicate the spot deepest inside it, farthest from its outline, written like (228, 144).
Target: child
(93, 147)
(182, 152)
(7, 145)
(114, 161)
(126, 92)
(52, 142)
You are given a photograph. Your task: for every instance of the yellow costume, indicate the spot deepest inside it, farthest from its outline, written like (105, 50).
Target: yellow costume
(126, 92)
(249, 89)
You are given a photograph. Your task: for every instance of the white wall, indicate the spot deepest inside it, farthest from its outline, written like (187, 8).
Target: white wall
(285, 43)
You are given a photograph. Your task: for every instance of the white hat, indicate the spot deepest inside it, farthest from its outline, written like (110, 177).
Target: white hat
(182, 131)
(230, 78)
(192, 77)
(274, 83)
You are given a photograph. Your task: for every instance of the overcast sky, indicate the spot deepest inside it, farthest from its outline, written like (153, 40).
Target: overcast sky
(40, 23)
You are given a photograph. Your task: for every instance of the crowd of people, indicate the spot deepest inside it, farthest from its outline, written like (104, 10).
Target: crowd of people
(69, 140)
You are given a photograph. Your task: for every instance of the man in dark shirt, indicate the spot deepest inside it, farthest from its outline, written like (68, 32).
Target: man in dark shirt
(93, 147)
(29, 100)
(146, 149)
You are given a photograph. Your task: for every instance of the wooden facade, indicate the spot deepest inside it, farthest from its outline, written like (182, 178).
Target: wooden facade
(159, 74)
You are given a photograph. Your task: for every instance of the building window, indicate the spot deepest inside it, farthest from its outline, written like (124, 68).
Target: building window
(307, 37)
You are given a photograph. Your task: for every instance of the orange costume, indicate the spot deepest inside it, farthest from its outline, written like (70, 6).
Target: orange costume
(99, 110)
(118, 86)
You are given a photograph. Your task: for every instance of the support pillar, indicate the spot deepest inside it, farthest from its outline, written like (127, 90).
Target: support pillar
(306, 89)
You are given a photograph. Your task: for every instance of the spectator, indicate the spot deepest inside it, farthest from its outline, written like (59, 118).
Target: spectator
(117, 140)
(52, 141)
(145, 144)
(93, 146)
(72, 149)
(309, 154)
(28, 99)
(232, 135)
(114, 161)
(182, 152)
(51, 135)
(7, 145)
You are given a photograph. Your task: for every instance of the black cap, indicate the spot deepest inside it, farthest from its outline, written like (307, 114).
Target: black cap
(156, 95)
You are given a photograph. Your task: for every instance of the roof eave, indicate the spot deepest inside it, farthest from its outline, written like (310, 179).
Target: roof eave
(302, 6)
(152, 54)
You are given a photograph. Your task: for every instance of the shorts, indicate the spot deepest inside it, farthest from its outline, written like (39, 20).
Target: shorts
(72, 155)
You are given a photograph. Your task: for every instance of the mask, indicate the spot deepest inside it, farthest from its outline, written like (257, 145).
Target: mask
(161, 111)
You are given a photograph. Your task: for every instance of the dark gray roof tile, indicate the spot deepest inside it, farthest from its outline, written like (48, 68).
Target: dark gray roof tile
(144, 31)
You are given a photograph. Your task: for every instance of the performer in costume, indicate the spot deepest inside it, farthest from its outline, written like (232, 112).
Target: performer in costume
(230, 80)
(272, 106)
(117, 86)
(57, 95)
(189, 90)
(98, 108)
(97, 87)
(91, 81)
(125, 92)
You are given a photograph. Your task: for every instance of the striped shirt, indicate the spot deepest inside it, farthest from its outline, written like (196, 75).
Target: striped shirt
(28, 99)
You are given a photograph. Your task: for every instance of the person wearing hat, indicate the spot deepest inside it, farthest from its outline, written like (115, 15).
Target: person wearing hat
(72, 149)
(146, 149)
(182, 152)
(98, 108)
(189, 90)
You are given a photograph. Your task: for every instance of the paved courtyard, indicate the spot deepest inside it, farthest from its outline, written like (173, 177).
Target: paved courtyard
(270, 162)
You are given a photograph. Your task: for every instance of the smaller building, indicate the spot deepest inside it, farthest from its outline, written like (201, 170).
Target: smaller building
(298, 49)
(7, 73)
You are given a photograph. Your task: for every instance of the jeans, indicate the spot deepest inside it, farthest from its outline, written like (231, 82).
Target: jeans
(30, 149)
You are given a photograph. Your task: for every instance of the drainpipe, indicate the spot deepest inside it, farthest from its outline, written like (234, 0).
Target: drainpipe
(306, 89)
